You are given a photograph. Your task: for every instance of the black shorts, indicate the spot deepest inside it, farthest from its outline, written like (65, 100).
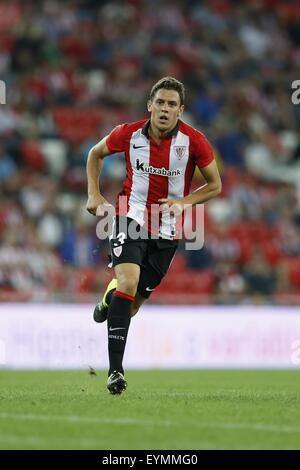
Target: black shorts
(154, 256)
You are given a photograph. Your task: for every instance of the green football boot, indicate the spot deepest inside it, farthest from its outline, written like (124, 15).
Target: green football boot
(101, 309)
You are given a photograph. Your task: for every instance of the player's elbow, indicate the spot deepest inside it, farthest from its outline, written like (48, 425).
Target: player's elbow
(216, 188)
(95, 153)
(219, 188)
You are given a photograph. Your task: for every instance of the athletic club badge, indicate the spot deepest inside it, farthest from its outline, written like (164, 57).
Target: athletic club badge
(179, 151)
(117, 251)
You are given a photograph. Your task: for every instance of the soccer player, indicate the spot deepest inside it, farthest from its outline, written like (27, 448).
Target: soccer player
(161, 155)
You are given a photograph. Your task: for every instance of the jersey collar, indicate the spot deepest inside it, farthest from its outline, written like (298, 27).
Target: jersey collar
(174, 131)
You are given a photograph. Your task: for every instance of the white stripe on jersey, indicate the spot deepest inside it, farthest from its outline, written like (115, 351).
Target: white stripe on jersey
(179, 155)
(140, 181)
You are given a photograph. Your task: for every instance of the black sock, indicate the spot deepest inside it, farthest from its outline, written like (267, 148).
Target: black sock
(118, 321)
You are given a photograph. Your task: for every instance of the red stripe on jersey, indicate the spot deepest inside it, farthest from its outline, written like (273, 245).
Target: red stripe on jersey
(122, 207)
(189, 172)
(158, 185)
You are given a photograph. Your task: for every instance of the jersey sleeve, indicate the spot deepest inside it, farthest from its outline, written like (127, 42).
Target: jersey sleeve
(116, 139)
(203, 153)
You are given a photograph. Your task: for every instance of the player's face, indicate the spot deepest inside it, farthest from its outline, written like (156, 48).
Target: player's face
(165, 110)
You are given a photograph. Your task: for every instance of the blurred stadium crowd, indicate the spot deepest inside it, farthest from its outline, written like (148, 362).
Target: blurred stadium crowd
(75, 69)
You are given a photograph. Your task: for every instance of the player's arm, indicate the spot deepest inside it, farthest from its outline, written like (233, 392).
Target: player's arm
(211, 189)
(206, 192)
(93, 169)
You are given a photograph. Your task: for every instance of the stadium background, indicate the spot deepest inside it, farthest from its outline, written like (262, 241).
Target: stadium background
(75, 69)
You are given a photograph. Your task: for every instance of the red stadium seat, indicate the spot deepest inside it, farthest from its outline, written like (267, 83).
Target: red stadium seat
(178, 263)
(293, 267)
(271, 251)
(188, 281)
(32, 155)
(77, 124)
(290, 268)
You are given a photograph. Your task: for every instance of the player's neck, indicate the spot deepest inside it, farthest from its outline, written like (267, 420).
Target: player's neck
(158, 135)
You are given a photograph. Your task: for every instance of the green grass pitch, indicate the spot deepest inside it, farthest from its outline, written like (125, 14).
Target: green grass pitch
(197, 409)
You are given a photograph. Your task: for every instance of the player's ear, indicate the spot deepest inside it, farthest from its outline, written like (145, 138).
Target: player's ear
(149, 105)
(181, 109)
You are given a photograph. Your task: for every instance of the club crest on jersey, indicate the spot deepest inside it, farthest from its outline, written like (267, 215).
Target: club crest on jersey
(117, 251)
(179, 151)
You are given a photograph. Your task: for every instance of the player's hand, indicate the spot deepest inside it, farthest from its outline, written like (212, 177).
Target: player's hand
(174, 206)
(97, 205)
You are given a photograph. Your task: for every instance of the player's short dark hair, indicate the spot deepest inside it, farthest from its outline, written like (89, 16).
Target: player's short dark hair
(169, 83)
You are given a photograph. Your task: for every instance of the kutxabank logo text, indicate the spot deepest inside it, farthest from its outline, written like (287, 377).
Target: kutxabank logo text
(141, 166)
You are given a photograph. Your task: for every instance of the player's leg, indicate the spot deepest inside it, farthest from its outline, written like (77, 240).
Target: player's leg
(138, 302)
(151, 277)
(118, 321)
(123, 250)
(127, 254)
(138, 286)
(101, 309)
(158, 260)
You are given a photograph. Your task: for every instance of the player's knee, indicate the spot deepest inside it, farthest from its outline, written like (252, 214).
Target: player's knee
(134, 308)
(134, 311)
(128, 285)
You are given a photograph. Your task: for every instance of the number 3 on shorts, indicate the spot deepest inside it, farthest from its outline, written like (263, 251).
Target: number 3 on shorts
(121, 237)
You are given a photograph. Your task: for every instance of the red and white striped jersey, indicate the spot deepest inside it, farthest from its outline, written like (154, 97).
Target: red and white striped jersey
(156, 171)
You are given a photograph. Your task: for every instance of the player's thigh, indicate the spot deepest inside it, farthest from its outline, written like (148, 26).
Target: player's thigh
(124, 248)
(161, 254)
(156, 265)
